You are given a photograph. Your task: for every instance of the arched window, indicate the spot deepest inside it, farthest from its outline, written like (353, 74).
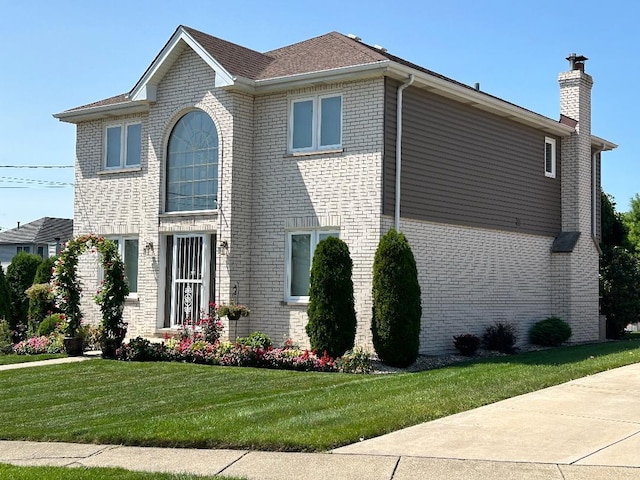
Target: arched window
(192, 164)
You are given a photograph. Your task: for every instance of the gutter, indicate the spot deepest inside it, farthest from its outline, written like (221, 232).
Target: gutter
(399, 147)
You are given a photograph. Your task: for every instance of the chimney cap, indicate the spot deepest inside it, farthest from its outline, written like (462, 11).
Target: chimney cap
(576, 62)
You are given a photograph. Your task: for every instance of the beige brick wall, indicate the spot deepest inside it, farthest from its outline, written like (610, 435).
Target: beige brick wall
(471, 278)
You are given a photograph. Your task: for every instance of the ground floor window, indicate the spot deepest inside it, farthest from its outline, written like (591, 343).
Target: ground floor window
(128, 250)
(300, 248)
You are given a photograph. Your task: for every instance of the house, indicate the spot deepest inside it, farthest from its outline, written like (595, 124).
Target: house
(43, 237)
(222, 168)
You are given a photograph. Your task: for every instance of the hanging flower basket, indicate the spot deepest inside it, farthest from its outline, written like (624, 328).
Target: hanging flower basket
(232, 311)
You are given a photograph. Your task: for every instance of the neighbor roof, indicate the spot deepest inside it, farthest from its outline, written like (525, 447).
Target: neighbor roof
(45, 230)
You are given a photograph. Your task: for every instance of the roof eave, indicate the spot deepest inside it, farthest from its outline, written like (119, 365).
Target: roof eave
(102, 112)
(480, 100)
(333, 75)
(602, 144)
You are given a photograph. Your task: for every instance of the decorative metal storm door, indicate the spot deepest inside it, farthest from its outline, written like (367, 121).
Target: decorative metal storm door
(188, 290)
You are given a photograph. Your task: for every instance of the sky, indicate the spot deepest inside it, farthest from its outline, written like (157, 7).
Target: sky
(57, 55)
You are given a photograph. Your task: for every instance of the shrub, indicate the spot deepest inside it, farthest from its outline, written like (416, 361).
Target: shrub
(44, 272)
(37, 346)
(20, 275)
(50, 324)
(138, 350)
(500, 336)
(550, 332)
(397, 308)
(466, 344)
(6, 343)
(255, 339)
(331, 311)
(40, 304)
(5, 298)
(619, 289)
(357, 360)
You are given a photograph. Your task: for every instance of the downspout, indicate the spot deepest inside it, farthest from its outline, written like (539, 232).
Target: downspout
(595, 197)
(399, 147)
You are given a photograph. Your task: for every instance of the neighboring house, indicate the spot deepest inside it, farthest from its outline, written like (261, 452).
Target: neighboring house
(43, 237)
(223, 167)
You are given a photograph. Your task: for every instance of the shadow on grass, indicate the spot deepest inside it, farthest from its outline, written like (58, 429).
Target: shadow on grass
(564, 355)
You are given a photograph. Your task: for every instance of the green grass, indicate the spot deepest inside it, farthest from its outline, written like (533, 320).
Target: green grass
(10, 472)
(172, 404)
(12, 358)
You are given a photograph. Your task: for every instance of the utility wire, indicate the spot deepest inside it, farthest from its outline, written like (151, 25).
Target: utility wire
(36, 166)
(49, 183)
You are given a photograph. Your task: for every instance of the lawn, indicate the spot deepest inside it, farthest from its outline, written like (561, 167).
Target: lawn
(174, 404)
(12, 358)
(62, 473)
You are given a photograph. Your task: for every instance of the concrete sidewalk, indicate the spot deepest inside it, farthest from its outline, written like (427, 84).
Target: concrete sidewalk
(585, 429)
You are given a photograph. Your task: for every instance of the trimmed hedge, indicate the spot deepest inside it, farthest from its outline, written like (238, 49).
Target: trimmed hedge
(550, 332)
(331, 311)
(397, 308)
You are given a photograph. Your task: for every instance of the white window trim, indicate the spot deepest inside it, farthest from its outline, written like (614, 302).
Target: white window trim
(123, 146)
(552, 142)
(316, 126)
(121, 239)
(315, 234)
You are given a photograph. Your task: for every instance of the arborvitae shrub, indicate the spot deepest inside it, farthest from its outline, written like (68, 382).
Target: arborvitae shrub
(44, 272)
(331, 311)
(550, 332)
(20, 275)
(41, 304)
(397, 307)
(5, 296)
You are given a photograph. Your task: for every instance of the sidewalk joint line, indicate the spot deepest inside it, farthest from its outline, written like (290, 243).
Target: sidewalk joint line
(605, 447)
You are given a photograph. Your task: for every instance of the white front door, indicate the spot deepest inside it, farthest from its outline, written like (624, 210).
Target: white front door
(190, 271)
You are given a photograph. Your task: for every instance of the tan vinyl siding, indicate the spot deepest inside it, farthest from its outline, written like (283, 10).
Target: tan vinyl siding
(468, 167)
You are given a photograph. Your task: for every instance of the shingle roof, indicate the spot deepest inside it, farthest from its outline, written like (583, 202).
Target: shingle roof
(41, 231)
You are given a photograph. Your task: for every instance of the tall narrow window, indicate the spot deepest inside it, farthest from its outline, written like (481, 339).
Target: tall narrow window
(192, 164)
(315, 123)
(128, 250)
(550, 157)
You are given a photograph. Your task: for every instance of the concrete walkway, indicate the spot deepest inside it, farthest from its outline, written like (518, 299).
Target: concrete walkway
(585, 429)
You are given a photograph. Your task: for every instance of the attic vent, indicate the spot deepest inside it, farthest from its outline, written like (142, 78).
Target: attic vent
(380, 47)
(354, 37)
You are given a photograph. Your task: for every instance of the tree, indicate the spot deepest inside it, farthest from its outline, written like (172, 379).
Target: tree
(5, 296)
(45, 270)
(397, 308)
(631, 221)
(332, 316)
(620, 290)
(614, 229)
(20, 275)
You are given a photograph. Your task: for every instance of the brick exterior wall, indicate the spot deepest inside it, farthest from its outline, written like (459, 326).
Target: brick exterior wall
(471, 278)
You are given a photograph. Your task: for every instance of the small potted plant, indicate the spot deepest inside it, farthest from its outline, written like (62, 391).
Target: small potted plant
(232, 311)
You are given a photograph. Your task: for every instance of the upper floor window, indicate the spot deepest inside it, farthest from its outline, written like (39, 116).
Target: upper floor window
(192, 164)
(301, 246)
(550, 157)
(315, 123)
(123, 145)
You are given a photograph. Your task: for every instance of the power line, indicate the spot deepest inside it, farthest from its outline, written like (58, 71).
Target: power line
(37, 166)
(32, 182)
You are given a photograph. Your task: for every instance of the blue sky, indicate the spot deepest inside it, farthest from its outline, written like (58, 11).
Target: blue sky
(59, 55)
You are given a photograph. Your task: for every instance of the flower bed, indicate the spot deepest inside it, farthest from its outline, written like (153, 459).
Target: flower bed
(190, 346)
(39, 345)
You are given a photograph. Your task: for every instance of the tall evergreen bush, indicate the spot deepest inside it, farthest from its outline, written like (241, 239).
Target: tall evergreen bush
(20, 275)
(331, 311)
(5, 296)
(397, 307)
(44, 271)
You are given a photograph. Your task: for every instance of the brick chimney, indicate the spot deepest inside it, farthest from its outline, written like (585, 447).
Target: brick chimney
(575, 103)
(575, 256)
